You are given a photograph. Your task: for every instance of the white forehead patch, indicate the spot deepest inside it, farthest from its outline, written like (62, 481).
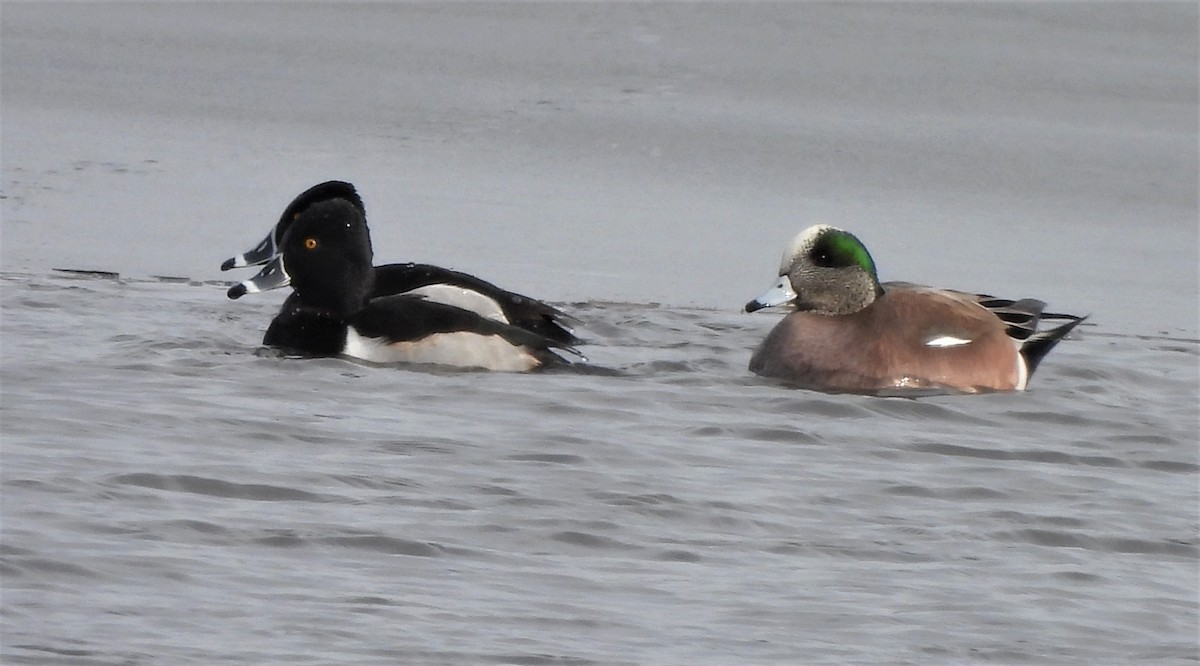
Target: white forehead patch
(801, 244)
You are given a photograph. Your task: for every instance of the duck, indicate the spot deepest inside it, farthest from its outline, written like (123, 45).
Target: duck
(435, 283)
(337, 309)
(849, 333)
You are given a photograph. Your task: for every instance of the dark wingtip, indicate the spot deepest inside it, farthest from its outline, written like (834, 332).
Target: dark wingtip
(753, 306)
(236, 291)
(229, 263)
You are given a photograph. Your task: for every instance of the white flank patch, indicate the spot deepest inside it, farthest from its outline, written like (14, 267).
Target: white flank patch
(460, 350)
(1022, 374)
(947, 341)
(466, 299)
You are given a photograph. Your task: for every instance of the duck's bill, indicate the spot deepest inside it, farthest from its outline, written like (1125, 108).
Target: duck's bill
(261, 254)
(780, 293)
(272, 276)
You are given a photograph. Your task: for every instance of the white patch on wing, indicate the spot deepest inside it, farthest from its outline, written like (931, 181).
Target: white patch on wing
(467, 299)
(947, 341)
(459, 349)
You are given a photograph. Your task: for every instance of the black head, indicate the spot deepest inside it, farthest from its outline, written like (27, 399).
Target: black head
(270, 246)
(327, 257)
(327, 191)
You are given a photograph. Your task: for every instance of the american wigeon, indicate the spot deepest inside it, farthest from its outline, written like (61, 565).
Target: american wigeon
(433, 282)
(335, 308)
(852, 334)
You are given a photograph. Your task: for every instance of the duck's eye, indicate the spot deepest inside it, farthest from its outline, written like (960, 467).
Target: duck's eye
(310, 243)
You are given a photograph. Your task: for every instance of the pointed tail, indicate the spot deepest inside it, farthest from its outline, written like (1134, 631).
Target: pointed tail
(1036, 346)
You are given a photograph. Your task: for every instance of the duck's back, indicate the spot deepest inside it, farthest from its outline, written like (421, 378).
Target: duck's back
(911, 337)
(517, 309)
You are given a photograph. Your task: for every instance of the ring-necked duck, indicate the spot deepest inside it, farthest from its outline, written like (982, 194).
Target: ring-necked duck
(325, 256)
(852, 334)
(433, 282)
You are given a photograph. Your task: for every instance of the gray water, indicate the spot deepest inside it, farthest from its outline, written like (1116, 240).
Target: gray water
(172, 493)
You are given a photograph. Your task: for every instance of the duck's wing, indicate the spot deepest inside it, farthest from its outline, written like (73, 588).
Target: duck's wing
(411, 318)
(1021, 316)
(1023, 319)
(519, 310)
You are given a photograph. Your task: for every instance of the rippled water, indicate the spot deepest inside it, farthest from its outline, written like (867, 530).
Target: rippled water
(174, 494)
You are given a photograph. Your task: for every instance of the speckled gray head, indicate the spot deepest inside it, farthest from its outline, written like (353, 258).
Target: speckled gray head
(824, 269)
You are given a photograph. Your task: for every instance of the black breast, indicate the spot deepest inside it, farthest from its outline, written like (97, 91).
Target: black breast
(306, 330)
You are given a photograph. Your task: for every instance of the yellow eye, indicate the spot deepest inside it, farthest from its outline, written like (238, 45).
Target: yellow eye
(310, 243)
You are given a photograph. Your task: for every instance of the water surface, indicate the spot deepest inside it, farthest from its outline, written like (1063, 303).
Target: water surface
(174, 492)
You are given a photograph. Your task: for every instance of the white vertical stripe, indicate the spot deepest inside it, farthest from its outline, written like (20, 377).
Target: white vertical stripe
(467, 299)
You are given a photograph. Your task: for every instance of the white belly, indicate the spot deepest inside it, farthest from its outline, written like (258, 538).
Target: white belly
(460, 349)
